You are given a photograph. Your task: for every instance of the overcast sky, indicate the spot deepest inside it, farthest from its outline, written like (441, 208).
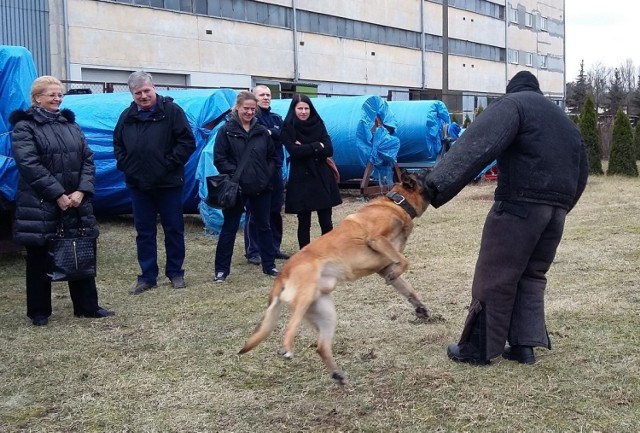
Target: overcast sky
(601, 31)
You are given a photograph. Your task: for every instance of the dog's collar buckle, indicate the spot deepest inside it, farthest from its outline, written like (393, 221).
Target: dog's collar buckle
(401, 201)
(397, 198)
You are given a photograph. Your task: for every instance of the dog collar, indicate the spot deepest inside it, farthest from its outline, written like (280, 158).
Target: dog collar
(401, 201)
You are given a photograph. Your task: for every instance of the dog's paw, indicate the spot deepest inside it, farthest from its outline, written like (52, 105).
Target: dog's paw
(338, 376)
(422, 312)
(286, 354)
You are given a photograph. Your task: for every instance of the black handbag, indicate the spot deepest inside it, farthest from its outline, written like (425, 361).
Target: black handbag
(71, 258)
(223, 191)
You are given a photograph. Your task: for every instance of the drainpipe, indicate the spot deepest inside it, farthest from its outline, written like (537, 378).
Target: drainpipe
(506, 45)
(296, 71)
(422, 43)
(67, 62)
(445, 51)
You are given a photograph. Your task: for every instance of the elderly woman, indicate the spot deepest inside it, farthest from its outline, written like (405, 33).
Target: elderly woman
(57, 177)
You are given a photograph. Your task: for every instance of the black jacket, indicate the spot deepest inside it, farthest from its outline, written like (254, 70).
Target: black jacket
(311, 185)
(152, 151)
(231, 142)
(52, 158)
(539, 150)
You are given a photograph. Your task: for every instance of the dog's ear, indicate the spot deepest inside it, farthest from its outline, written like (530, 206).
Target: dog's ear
(408, 180)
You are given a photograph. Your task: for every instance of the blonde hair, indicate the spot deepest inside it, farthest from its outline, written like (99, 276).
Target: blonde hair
(244, 95)
(40, 85)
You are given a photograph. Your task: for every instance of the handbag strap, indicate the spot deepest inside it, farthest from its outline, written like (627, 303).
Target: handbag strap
(61, 230)
(242, 164)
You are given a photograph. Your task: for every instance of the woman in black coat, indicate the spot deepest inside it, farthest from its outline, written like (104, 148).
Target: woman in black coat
(312, 185)
(57, 177)
(242, 133)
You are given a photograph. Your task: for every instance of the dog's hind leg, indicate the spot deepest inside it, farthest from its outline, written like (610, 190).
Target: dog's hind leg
(299, 306)
(265, 327)
(405, 289)
(322, 316)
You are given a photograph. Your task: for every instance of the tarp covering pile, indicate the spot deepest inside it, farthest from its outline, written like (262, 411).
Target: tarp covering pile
(98, 114)
(420, 129)
(361, 129)
(17, 72)
(364, 129)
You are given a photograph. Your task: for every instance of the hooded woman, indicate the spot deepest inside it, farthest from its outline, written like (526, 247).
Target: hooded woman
(312, 185)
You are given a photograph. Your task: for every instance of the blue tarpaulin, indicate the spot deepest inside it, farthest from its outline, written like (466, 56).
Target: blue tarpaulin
(98, 114)
(364, 129)
(420, 129)
(361, 129)
(17, 72)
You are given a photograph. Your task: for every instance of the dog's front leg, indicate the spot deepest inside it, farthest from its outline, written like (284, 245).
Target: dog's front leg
(398, 263)
(405, 289)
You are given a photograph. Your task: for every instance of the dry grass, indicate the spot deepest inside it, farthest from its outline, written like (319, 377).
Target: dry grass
(167, 362)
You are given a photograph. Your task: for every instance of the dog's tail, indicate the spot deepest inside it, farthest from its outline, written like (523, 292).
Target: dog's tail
(266, 325)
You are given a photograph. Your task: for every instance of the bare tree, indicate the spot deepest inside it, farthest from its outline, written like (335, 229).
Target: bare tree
(627, 80)
(598, 79)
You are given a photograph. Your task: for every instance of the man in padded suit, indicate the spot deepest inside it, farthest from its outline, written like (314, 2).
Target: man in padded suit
(543, 171)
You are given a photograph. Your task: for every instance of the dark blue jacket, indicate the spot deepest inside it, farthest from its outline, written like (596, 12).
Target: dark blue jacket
(152, 150)
(231, 142)
(273, 122)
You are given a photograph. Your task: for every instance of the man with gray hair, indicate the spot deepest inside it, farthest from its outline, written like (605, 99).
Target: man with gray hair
(152, 142)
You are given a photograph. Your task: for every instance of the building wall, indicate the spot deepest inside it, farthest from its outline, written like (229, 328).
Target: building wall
(112, 38)
(539, 33)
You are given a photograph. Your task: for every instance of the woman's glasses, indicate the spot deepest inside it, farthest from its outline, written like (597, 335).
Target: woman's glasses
(53, 95)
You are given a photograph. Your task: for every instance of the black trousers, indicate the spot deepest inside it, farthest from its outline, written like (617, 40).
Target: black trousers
(84, 294)
(519, 243)
(251, 242)
(304, 225)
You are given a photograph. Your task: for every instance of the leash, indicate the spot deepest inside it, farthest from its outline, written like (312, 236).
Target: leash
(401, 201)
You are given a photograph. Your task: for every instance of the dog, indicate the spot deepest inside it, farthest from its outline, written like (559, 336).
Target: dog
(366, 242)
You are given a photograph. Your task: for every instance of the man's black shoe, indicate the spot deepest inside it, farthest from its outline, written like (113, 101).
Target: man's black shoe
(254, 260)
(98, 314)
(282, 256)
(453, 352)
(522, 354)
(141, 287)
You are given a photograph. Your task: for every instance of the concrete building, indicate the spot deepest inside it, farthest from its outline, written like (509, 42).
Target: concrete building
(460, 51)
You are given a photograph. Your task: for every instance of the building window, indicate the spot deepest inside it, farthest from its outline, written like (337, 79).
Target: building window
(514, 56)
(513, 15)
(529, 59)
(543, 62)
(528, 19)
(543, 24)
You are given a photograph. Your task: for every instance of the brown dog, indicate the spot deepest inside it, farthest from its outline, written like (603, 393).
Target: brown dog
(366, 242)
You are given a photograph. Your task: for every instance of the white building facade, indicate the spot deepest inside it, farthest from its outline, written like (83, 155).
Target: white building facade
(461, 51)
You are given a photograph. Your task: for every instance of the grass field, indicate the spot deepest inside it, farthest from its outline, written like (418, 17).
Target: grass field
(167, 362)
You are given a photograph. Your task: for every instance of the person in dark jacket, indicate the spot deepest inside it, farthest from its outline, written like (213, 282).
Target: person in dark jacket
(56, 183)
(312, 185)
(152, 142)
(242, 133)
(273, 122)
(543, 171)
